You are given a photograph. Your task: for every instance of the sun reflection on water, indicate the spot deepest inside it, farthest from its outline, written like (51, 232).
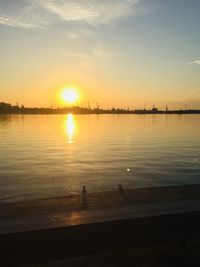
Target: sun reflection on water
(70, 127)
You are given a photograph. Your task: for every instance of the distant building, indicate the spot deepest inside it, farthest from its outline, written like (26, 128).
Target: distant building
(154, 109)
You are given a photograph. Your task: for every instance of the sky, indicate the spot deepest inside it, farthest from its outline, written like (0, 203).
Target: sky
(127, 53)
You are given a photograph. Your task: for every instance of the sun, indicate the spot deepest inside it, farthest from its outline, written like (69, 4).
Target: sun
(70, 95)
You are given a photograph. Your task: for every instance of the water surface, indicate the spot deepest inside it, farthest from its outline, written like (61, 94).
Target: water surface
(54, 155)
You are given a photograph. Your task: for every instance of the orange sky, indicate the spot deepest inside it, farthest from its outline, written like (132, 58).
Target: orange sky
(142, 53)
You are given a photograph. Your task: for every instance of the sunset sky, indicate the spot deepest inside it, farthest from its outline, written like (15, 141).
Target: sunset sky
(115, 52)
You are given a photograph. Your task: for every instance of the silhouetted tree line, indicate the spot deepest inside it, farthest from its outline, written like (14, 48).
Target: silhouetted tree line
(6, 108)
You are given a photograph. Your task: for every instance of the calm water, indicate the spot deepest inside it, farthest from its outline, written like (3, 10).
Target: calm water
(55, 155)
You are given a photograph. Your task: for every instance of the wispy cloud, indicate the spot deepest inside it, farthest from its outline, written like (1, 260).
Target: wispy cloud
(90, 61)
(101, 53)
(90, 11)
(30, 14)
(25, 14)
(196, 92)
(195, 62)
(76, 34)
(72, 35)
(18, 23)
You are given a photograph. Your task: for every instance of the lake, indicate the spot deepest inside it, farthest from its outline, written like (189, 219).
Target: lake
(45, 156)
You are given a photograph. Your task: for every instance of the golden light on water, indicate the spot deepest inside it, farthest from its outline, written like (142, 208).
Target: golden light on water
(70, 127)
(70, 96)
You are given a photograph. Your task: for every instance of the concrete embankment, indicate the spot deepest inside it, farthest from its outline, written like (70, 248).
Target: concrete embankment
(43, 230)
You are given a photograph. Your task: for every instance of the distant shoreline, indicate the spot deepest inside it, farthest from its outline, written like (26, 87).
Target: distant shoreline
(6, 108)
(148, 112)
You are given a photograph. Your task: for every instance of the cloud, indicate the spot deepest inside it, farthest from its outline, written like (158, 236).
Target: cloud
(101, 53)
(30, 14)
(24, 14)
(72, 35)
(196, 92)
(90, 61)
(18, 23)
(93, 12)
(76, 34)
(195, 62)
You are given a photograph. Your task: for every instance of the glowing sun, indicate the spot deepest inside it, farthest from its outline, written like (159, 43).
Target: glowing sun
(70, 95)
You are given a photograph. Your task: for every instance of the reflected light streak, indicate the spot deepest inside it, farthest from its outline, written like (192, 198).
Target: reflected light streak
(70, 127)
